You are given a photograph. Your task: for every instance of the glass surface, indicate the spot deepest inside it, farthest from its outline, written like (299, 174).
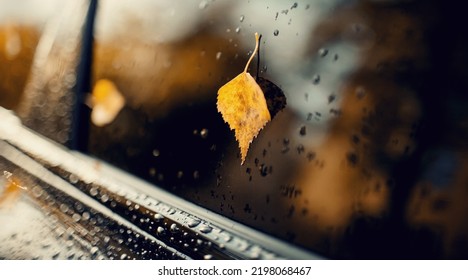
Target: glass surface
(367, 159)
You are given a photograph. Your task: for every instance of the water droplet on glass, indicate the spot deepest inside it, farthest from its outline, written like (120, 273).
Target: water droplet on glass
(104, 198)
(76, 217)
(73, 179)
(255, 255)
(93, 191)
(238, 29)
(174, 227)
(205, 229)
(94, 250)
(218, 55)
(316, 79)
(37, 191)
(85, 216)
(156, 153)
(180, 174)
(63, 208)
(203, 5)
(204, 133)
(123, 256)
(302, 131)
(193, 223)
(158, 217)
(208, 257)
(241, 18)
(56, 255)
(276, 32)
(323, 52)
(263, 170)
(160, 230)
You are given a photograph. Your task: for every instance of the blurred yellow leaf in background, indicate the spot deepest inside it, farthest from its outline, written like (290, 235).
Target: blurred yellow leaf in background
(242, 104)
(106, 102)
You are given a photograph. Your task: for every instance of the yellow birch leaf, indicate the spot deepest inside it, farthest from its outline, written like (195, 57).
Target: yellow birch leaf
(242, 104)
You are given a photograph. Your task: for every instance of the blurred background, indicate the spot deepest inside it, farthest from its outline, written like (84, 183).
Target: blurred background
(367, 160)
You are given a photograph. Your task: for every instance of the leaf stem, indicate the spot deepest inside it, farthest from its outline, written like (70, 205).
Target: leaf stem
(258, 58)
(254, 52)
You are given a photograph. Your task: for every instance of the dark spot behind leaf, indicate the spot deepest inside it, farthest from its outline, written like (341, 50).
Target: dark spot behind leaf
(275, 98)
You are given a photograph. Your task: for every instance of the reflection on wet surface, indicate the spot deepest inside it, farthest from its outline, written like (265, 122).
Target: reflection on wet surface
(368, 158)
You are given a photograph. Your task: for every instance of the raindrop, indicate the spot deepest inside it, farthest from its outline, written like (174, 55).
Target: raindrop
(238, 29)
(203, 4)
(93, 191)
(63, 208)
(94, 250)
(104, 198)
(56, 255)
(241, 18)
(37, 191)
(70, 255)
(76, 217)
(300, 149)
(85, 216)
(276, 32)
(255, 255)
(156, 153)
(193, 223)
(323, 52)
(263, 170)
(331, 98)
(227, 238)
(316, 79)
(73, 179)
(158, 217)
(302, 131)
(46, 244)
(218, 55)
(160, 230)
(180, 174)
(205, 229)
(123, 256)
(204, 133)
(335, 58)
(174, 228)
(208, 257)
(352, 158)
(294, 5)
(196, 174)
(310, 156)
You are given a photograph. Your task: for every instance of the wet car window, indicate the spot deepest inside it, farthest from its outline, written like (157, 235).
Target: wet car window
(365, 160)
